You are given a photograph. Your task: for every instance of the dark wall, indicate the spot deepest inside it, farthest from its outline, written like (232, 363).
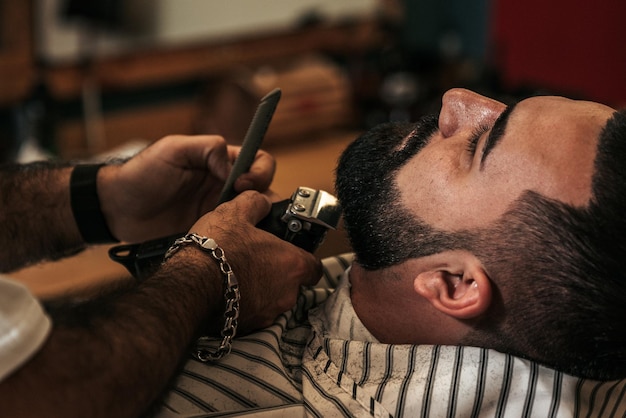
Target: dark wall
(576, 47)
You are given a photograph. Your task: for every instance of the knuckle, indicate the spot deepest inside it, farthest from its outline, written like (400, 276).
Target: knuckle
(171, 137)
(217, 140)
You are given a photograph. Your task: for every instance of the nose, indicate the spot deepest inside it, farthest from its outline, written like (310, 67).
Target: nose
(463, 110)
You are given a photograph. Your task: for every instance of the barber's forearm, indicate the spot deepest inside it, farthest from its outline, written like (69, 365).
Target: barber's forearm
(115, 355)
(35, 214)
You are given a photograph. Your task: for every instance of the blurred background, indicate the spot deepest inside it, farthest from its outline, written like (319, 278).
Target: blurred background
(90, 80)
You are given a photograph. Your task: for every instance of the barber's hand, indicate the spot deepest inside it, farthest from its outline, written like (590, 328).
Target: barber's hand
(170, 184)
(270, 271)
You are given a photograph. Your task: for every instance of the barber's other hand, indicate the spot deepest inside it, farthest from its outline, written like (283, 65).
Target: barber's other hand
(270, 271)
(164, 189)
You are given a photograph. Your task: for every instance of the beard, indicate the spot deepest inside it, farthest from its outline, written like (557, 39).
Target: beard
(381, 231)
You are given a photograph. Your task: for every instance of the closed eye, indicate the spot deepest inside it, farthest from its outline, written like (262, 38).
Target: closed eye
(472, 142)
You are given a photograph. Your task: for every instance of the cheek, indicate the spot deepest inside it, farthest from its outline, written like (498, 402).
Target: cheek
(446, 195)
(428, 187)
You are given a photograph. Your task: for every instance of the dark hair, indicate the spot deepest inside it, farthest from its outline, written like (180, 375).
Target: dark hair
(564, 272)
(560, 268)
(381, 231)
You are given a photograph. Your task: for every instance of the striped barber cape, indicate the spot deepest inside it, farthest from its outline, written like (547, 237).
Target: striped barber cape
(319, 360)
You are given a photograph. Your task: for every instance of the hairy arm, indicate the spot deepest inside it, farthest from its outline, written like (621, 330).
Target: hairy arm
(35, 215)
(112, 355)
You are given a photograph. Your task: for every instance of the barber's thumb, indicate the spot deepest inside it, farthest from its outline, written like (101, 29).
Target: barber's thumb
(253, 205)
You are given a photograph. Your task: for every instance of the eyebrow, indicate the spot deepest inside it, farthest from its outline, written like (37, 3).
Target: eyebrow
(497, 132)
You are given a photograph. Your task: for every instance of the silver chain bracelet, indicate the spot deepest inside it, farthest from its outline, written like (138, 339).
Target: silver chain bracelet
(231, 294)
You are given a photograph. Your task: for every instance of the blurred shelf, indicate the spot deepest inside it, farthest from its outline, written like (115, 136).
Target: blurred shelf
(17, 72)
(169, 64)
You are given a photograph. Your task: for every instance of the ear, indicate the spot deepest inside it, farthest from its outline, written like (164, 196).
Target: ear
(460, 289)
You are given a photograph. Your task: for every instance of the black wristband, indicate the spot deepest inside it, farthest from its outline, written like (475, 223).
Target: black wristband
(86, 205)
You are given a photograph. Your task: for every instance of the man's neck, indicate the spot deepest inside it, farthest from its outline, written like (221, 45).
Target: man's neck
(387, 304)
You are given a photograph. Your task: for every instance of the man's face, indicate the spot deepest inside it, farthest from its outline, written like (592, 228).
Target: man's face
(464, 171)
(543, 144)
